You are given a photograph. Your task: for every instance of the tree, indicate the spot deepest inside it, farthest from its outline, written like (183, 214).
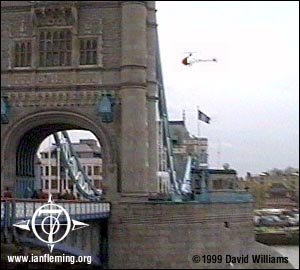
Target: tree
(276, 171)
(290, 170)
(259, 190)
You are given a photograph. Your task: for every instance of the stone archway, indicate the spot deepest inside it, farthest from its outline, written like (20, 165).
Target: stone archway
(21, 142)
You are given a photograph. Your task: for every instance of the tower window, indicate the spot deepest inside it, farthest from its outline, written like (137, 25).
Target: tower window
(88, 51)
(55, 48)
(22, 54)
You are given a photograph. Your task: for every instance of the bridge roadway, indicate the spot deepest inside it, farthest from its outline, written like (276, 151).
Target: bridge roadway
(15, 210)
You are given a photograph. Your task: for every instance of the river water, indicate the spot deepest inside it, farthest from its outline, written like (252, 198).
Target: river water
(292, 252)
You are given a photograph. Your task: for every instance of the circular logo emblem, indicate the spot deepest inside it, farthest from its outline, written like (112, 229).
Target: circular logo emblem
(50, 223)
(54, 222)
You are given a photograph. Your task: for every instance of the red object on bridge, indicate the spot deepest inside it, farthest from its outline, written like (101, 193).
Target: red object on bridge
(185, 61)
(7, 193)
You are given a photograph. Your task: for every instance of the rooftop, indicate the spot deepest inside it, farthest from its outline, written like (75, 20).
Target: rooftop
(83, 146)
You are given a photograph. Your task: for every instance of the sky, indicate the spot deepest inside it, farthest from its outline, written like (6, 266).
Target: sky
(251, 93)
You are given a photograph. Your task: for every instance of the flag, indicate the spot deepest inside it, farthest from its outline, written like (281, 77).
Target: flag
(203, 117)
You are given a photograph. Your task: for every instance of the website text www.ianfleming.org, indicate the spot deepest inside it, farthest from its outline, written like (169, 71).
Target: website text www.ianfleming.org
(48, 258)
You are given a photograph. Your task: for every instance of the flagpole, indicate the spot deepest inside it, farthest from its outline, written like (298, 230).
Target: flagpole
(198, 123)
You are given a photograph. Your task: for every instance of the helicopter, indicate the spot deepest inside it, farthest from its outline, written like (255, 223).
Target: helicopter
(190, 59)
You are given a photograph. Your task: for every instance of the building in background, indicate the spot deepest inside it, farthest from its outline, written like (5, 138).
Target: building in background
(52, 169)
(184, 145)
(222, 179)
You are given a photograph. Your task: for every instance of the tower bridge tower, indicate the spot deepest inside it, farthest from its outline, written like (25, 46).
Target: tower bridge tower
(59, 60)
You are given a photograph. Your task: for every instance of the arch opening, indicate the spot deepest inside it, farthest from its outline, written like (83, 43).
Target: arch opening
(22, 145)
(40, 166)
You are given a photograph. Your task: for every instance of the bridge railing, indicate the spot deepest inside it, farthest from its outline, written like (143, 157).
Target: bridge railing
(15, 210)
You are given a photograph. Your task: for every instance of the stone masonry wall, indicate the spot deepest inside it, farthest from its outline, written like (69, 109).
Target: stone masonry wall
(168, 235)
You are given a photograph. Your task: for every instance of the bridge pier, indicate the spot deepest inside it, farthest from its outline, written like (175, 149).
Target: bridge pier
(159, 235)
